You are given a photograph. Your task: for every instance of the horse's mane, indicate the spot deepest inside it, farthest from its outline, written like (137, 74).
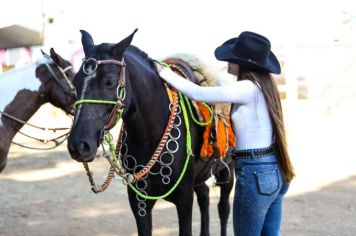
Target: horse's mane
(144, 56)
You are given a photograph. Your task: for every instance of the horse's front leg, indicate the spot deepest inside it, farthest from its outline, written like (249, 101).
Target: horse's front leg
(3, 156)
(184, 203)
(202, 191)
(142, 211)
(3, 161)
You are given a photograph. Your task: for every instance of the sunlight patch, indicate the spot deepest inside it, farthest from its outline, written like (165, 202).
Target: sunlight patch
(95, 211)
(164, 231)
(61, 169)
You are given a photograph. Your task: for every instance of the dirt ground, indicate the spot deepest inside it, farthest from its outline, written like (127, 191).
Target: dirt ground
(46, 193)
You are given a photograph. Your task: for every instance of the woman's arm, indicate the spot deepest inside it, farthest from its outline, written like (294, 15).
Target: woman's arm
(240, 92)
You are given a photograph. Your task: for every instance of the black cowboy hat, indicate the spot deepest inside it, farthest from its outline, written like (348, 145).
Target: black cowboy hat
(250, 50)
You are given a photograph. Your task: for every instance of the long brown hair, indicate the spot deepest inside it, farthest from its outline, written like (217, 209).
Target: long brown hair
(268, 87)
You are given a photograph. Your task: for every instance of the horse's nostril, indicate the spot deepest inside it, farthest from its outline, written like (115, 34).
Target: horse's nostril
(84, 148)
(71, 149)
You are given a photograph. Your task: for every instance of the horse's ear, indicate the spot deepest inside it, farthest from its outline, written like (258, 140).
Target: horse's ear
(55, 57)
(120, 47)
(44, 54)
(87, 41)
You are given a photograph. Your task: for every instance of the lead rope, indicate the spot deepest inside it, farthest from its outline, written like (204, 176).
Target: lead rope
(95, 187)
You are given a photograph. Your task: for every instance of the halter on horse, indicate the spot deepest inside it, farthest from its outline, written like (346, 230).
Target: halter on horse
(121, 80)
(26, 89)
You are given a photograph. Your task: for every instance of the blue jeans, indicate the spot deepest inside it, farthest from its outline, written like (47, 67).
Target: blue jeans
(259, 192)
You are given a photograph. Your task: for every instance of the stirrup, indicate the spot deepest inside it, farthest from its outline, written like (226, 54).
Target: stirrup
(213, 176)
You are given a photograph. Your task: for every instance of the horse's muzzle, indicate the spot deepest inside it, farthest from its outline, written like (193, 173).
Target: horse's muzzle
(83, 152)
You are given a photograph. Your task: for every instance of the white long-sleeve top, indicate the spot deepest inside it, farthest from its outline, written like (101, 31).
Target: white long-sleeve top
(249, 115)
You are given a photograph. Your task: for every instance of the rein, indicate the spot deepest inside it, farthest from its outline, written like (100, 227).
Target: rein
(55, 140)
(29, 124)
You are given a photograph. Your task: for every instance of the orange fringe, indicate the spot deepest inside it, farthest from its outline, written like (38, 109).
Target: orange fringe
(223, 133)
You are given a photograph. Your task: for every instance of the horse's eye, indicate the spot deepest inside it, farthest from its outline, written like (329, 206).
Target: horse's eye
(109, 83)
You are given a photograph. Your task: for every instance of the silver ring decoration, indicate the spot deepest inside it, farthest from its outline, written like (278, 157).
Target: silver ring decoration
(168, 154)
(176, 148)
(179, 122)
(178, 131)
(122, 97)
(87, 66)
(139, 182)
(126, 162)
(142, 204)
(142, 212)
(166, 180)
(140, 199)
(124, 148)
(178, 108)
(169, 169)
(124, 136)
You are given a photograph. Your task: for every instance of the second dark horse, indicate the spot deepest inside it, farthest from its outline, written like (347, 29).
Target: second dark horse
(146, 113)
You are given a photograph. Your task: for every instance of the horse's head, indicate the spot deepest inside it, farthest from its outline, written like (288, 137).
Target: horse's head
(56, 75)
(98, 84)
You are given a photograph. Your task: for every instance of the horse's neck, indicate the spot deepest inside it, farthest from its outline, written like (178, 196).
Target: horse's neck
(24, 105)
(148, 113)
(20, 93)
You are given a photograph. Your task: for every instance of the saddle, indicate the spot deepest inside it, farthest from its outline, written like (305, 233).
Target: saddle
(218, 135)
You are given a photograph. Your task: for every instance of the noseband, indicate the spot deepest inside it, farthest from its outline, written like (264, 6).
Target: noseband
(89, 67)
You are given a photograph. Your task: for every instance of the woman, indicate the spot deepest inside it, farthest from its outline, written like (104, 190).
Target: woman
(263, 167)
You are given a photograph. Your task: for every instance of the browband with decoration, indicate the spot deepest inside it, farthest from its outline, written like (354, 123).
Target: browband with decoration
(90, 65)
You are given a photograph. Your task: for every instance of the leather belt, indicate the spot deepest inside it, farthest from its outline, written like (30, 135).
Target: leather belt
(252, 153)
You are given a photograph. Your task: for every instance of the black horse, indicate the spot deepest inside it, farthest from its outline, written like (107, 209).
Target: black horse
(146, 111)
